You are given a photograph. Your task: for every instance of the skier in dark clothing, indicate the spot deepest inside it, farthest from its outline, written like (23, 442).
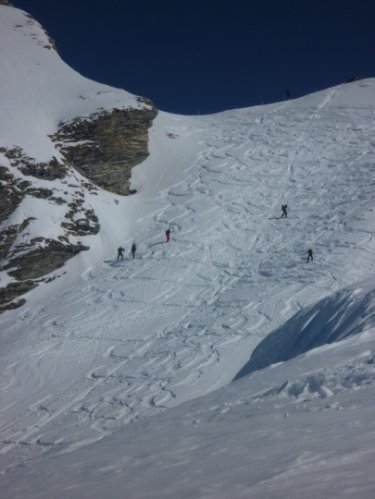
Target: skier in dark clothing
(133, 249)
(168, 235)
(120, 253)
(310, 257)
(284, 208)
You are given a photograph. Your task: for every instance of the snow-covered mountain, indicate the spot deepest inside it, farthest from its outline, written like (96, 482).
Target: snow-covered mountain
(220, 364)
(61, 136)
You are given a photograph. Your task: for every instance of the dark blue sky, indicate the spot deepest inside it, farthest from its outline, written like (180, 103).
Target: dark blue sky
(210, 55)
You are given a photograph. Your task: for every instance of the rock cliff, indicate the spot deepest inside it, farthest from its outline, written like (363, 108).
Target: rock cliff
(107, 145)
(27, 259)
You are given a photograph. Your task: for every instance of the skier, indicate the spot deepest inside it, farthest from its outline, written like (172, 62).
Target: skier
(284, 208)
(168, 235)
(310, 257)
(133, 249)
(120, 253)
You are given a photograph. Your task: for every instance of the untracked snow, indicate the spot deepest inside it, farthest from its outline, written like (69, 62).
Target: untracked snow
(99, 350)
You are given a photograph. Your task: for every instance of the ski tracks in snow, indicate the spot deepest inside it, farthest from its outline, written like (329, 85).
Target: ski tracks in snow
(182, 318)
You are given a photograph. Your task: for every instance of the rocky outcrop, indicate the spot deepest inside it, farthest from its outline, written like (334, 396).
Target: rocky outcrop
(51, 170)
(104, 148)
(10, 195)
(12, 305)
(13, 190)
(107, 145)
(12, 291)
(42, 260)
(28, 262)
(79, 220)
(9, 235)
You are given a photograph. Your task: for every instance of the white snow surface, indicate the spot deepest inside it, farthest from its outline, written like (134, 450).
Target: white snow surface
(117, 377)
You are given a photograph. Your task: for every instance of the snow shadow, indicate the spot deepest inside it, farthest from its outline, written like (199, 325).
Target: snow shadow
(345, 313)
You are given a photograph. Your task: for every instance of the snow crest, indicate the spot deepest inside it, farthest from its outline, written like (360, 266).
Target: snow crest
(345, 313)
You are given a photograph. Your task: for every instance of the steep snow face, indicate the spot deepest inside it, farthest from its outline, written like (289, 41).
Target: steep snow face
(38, 90)
(115, 342)
(111, 343)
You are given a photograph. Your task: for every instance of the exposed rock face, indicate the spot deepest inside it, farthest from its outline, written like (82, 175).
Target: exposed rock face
(13, 290)
(104, 148)
(10, 196)
(107, 145)
(46, 208)
(33, 259)
(43, 260)
(80, 221)
(29, 262)
(26, 165)
(9, 235)
(13, 190)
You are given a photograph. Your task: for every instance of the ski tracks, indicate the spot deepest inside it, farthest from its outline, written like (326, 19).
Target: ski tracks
(158, 330)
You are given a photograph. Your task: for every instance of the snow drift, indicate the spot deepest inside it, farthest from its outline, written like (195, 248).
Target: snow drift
(345, 313)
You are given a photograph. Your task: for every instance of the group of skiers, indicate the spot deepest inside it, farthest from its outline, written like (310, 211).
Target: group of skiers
(284, 214)
(133, 249)
(168, 232)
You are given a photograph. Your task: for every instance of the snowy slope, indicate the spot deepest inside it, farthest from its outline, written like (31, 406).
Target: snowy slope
(38, 90)
(111, 343)
(304, 428)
